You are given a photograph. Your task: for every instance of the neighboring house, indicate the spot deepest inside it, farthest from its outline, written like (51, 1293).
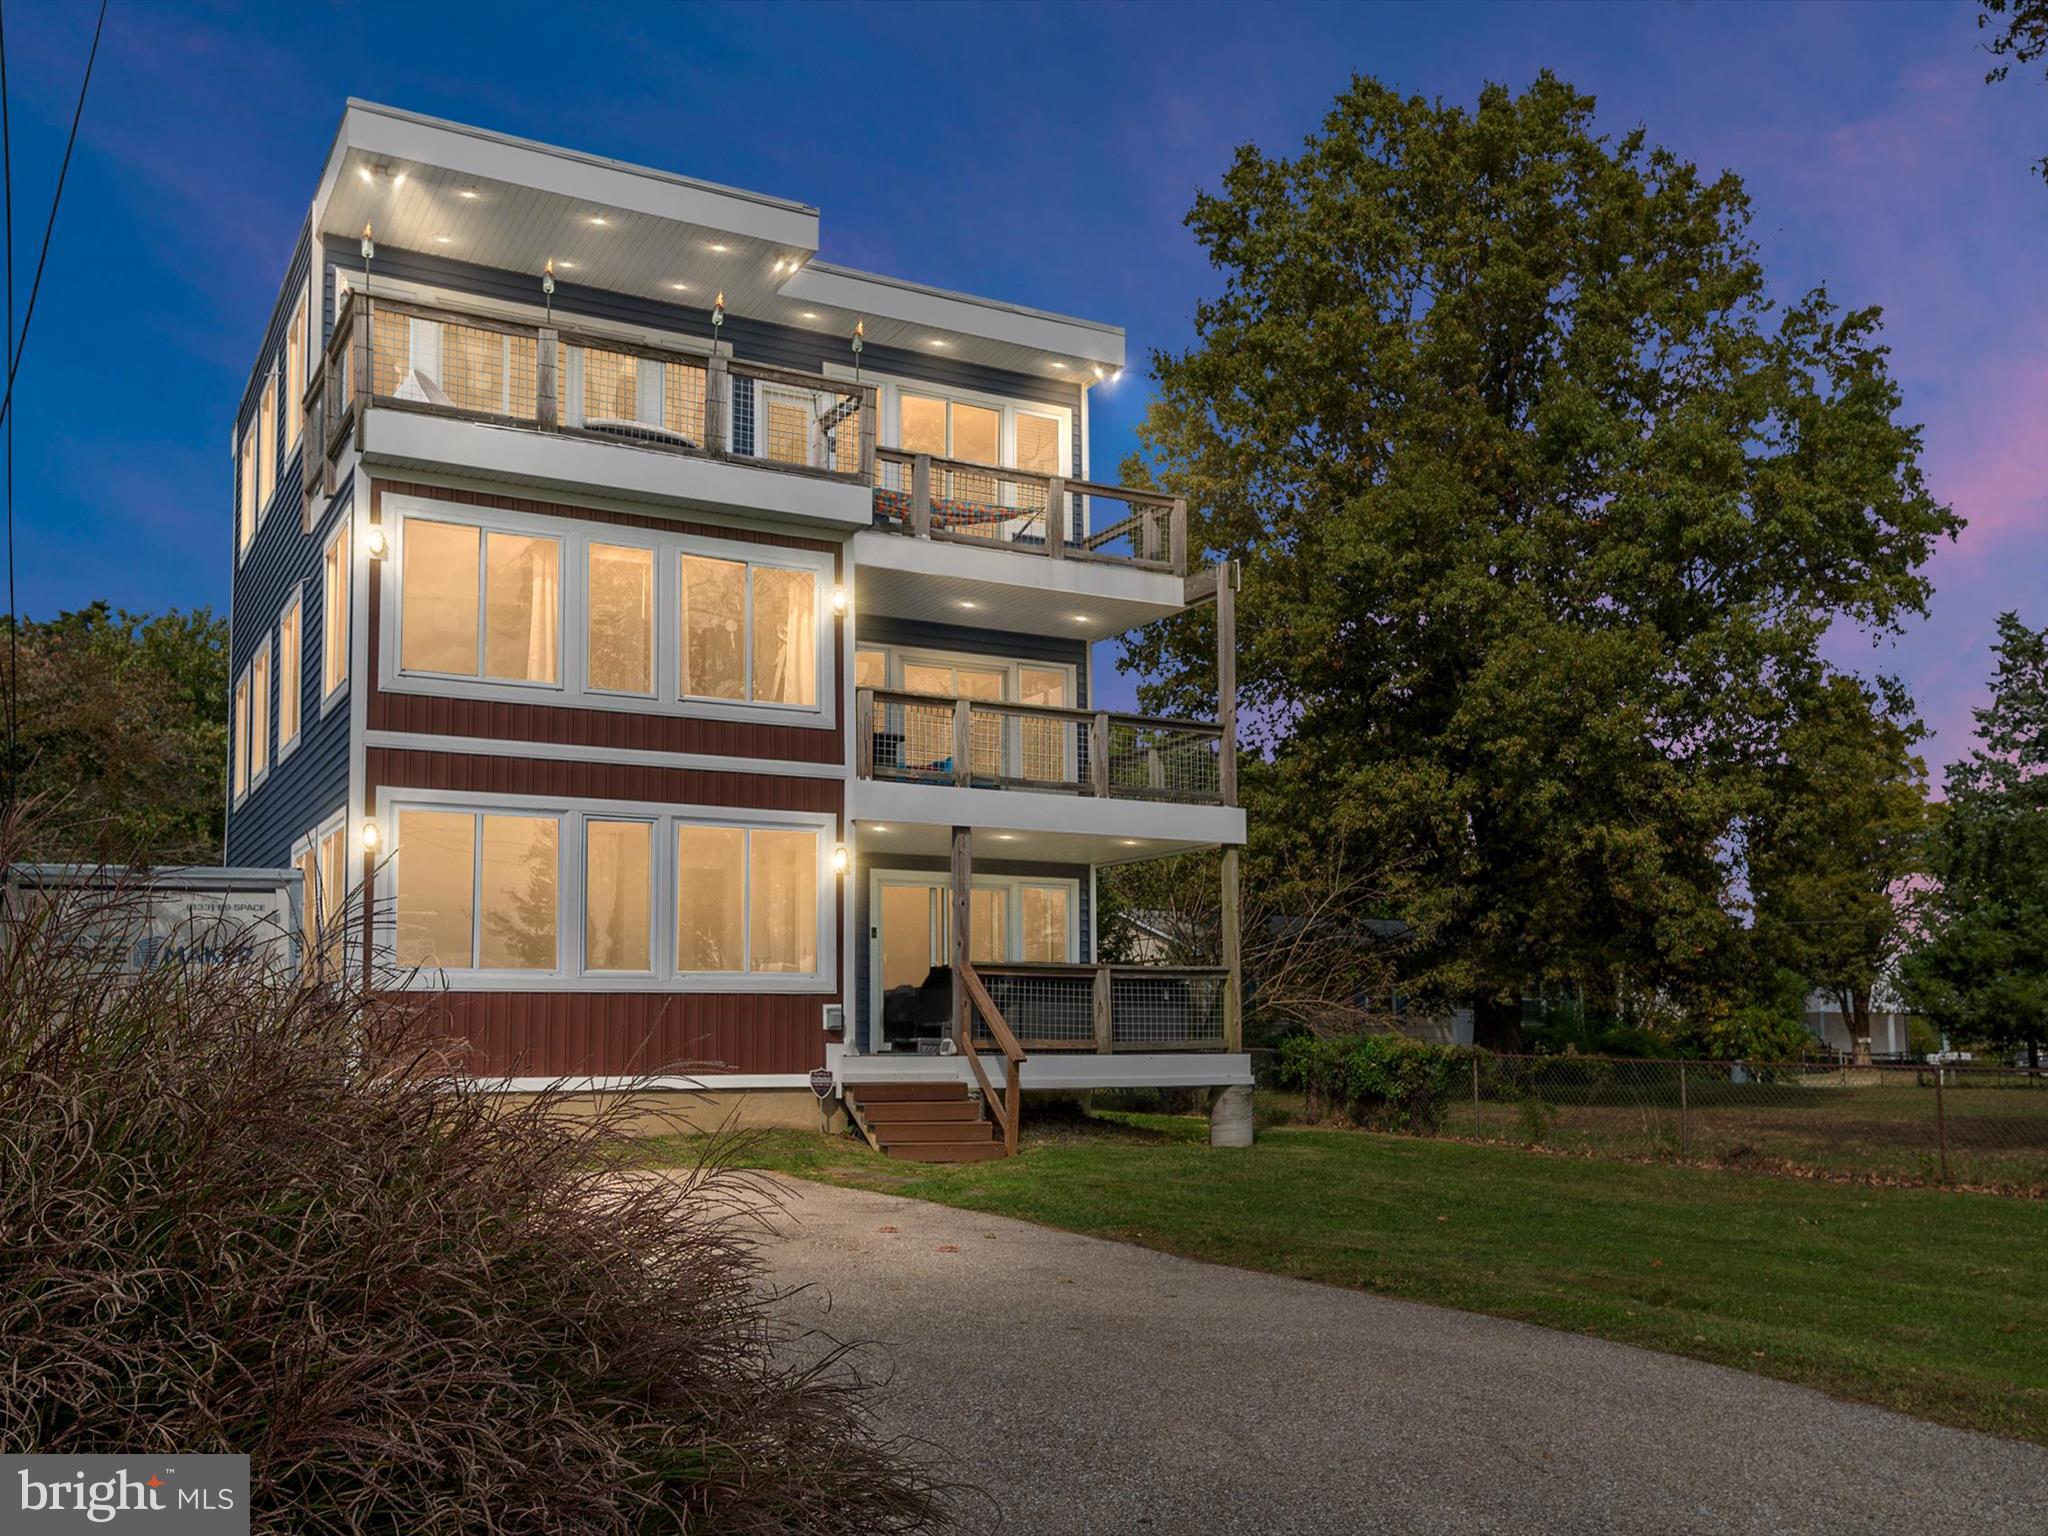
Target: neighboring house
(1889, 1019)
(695, 638)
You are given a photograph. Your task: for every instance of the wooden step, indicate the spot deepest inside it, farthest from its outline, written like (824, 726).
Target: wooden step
(904, 1111)
(903, 1093)
(944, 1151)
(902, 1132)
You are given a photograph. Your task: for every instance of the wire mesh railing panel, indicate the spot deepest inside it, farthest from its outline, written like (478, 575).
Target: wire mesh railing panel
(793, 420)
(1983, 1127)
(1167, 1010)
(1047, 1009)
(1135, 528)
(913, 739)
(1166, 760)
(979, 503)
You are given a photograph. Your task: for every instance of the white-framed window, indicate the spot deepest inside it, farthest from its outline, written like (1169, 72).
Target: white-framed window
(295, 371)
(245, 490)
(1011, 919)
(479, 602)
(334, 568)
(240, 750)
(321, 859)
(978, 428)
(509, 890)
(259, 713)
(513, 604)
(266, 442)
(291, 626)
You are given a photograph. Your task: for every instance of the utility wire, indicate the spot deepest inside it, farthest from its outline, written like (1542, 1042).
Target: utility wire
(28, 315)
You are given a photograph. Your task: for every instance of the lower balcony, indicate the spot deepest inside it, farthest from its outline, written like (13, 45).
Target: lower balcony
(912, 738)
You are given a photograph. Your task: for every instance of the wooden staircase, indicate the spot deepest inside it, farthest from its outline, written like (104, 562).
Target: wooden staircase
(926, 1122)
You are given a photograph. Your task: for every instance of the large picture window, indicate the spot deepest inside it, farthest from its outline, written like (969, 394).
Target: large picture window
(507, 602)
(480, 603)
(478, 890)
(647, 899)
(749, 632)
(621, 618)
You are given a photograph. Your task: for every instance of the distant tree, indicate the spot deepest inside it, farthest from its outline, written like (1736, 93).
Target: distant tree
(1542, 507)
(2020, 35)
(1841, 829)
(123, 733)
(1981, 972)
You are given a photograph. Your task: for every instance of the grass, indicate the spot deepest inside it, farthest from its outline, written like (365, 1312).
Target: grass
(1922, 1300)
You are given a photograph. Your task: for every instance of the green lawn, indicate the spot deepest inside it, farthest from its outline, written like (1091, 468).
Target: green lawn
(1917, 1299)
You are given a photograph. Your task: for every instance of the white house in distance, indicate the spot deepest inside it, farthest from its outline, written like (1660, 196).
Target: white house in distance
(693, 641)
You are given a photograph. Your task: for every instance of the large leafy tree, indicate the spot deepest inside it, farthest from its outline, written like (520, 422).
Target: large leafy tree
(2019, 35)
(1542, 506)
(1839, 834)
(1981, 972)
(122, 734)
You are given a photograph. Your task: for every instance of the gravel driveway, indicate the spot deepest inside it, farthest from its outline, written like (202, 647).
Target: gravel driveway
(1092, 1386)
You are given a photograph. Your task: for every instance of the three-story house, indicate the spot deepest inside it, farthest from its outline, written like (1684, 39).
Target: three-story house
(676, 650)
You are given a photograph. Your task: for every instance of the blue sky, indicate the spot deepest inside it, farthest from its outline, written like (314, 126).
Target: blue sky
(1043, 154)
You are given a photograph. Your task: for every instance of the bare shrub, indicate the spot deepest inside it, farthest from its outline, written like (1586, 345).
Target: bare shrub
(241, 1215)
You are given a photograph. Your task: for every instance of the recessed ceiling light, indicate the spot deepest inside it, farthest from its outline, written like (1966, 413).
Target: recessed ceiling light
(935, 342)
(680, 287)
(469, 192)
(878, 827)
(1061, 366)
(599, 220)
(1006, 837)
(566, 266)
(1131, 842)
(398, 180)
(810, 314)
(721, 249)
(442, 239)
(1081, 618)
(364, 172)
(968, 602)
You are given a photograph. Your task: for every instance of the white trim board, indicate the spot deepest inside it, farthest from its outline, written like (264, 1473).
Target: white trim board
(491, 746)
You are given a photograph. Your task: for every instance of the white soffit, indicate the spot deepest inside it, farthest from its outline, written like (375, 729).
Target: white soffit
(897, 576)
(446, 189)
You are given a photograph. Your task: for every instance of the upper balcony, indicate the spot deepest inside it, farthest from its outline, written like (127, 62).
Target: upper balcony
(428, 386)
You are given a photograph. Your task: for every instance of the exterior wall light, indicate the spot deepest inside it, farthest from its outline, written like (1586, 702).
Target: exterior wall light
(371, 836)
(839, 601)
(377, 541)
(839, 859)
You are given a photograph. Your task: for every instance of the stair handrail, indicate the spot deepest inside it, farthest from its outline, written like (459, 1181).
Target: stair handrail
(1010, 1103)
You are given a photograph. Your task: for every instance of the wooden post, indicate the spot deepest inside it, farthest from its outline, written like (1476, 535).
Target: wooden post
(1684, 1115)
(1226, 680)
(963, 741)
(717, 405)
(1233, 992)
(921, 496)
(963, 916)
(1098, 756)
(1177, 538)
(547, 385)
(1056, 517)
(869, 395)
(1105, 1024)
(1941, 1117)
(366, 378)
(864, 723)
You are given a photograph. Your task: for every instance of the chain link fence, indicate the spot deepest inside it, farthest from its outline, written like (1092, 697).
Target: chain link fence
(1976, 1126)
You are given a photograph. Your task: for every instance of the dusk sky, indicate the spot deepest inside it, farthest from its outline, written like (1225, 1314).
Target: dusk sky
(1041, 154)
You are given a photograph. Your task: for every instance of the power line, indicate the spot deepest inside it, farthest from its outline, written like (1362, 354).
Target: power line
(28, 316)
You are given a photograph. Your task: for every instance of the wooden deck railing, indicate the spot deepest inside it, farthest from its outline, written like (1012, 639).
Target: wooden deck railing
(930, 497)
(982, 1014)
(1107, 1008)
(444, 362)
(981, 743)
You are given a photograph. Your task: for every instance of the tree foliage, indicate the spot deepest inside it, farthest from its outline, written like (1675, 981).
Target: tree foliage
(124, 734)
(1542, 507)
(1982, 971)
(2019, 35)
(1840, 832)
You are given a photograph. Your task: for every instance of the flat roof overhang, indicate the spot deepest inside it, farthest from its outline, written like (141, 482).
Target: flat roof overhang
(447, 189)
